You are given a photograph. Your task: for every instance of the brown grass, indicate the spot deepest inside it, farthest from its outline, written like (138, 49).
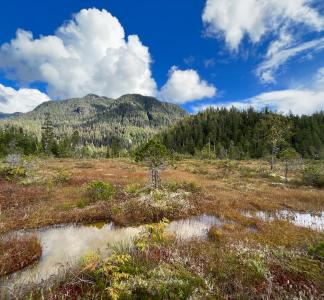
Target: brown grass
(227, 190)
(17, 253)
(47, 203)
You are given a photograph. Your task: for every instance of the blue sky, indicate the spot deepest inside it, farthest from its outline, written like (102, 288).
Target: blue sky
(194, 53)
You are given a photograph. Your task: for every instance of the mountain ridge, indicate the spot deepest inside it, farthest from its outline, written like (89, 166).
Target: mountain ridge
(131, 118)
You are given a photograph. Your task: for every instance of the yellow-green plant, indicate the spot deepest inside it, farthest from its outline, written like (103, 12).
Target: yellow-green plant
(153, 235)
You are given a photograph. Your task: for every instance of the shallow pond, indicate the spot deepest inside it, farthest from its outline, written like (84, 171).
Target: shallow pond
(63, 246)
(309, 220)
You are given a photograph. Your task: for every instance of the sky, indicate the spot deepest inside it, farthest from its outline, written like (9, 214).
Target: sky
(197, 53)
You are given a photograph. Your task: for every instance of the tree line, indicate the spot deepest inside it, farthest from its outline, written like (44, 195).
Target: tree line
(215, 133)
(16, 140)
(242, 134)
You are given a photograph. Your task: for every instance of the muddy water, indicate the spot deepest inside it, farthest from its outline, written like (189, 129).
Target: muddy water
(63, 246)
(313, 221)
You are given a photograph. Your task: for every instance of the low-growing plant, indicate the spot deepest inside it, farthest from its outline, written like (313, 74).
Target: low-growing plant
(99, 190)
(66, 206)
(13, 159)
(196, 170)
(214, 234)
(133, 189)
(17, 253)
(82, 203)
(174, 186)
(165, 281)
(317, 250)
(123, 276)
(314, 176)
(84, 165)
(158, 204)
(62, 176)
(11, 173)
(152, 235)
(247, 172)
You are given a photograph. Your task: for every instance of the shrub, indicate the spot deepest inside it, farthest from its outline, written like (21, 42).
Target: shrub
(313, 176)
(62, 176)
(98, 190)
(317, 250)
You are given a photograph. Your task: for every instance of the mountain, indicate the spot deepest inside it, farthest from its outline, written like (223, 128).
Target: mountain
(5, 116)
(131, 118)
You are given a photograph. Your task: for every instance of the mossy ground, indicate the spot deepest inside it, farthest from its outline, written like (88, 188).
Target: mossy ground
(272, 260)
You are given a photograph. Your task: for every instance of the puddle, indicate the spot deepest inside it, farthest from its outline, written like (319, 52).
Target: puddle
(313, 221)
(194, 227)
(64, 245)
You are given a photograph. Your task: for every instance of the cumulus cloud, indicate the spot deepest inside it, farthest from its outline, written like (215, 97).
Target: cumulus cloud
(280, 51)
(22, 100)
(88, 54)
(298, 101)
(185, 86)
(234, 19)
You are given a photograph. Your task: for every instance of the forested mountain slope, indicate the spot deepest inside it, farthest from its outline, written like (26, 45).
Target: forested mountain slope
(5, 116)
(242, 134)
(130, 119)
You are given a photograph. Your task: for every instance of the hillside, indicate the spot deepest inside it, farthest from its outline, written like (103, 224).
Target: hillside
(5, 116)
(237, 134)
(130, 118)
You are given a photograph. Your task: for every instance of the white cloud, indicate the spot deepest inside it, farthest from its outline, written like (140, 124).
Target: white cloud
(298, 101)
(88, 54)
(280, 51)
(22, 100)
(185, 86)
(320, 78)
(235, 19)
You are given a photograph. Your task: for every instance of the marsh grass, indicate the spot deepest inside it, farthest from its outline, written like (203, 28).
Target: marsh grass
(18, 252)
(246, 258)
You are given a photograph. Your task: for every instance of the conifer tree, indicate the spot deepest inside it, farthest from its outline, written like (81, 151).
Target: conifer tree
(155, 155)
(47, 134)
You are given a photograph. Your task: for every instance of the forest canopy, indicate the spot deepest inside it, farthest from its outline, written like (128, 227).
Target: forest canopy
(239, 134)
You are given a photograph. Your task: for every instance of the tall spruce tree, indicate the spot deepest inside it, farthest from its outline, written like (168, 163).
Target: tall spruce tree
(48, 134)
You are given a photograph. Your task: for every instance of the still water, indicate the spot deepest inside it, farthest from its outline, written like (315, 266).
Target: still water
(63, 246)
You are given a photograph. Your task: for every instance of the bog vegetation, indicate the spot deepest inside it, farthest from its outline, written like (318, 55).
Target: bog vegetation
(259, 174)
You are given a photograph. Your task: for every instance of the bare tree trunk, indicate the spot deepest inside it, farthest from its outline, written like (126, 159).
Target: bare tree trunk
(155, 178)
(286, 170)
(272, 159)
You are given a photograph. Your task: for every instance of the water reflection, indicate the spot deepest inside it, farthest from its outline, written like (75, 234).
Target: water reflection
(313, 221)
(65, 245)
